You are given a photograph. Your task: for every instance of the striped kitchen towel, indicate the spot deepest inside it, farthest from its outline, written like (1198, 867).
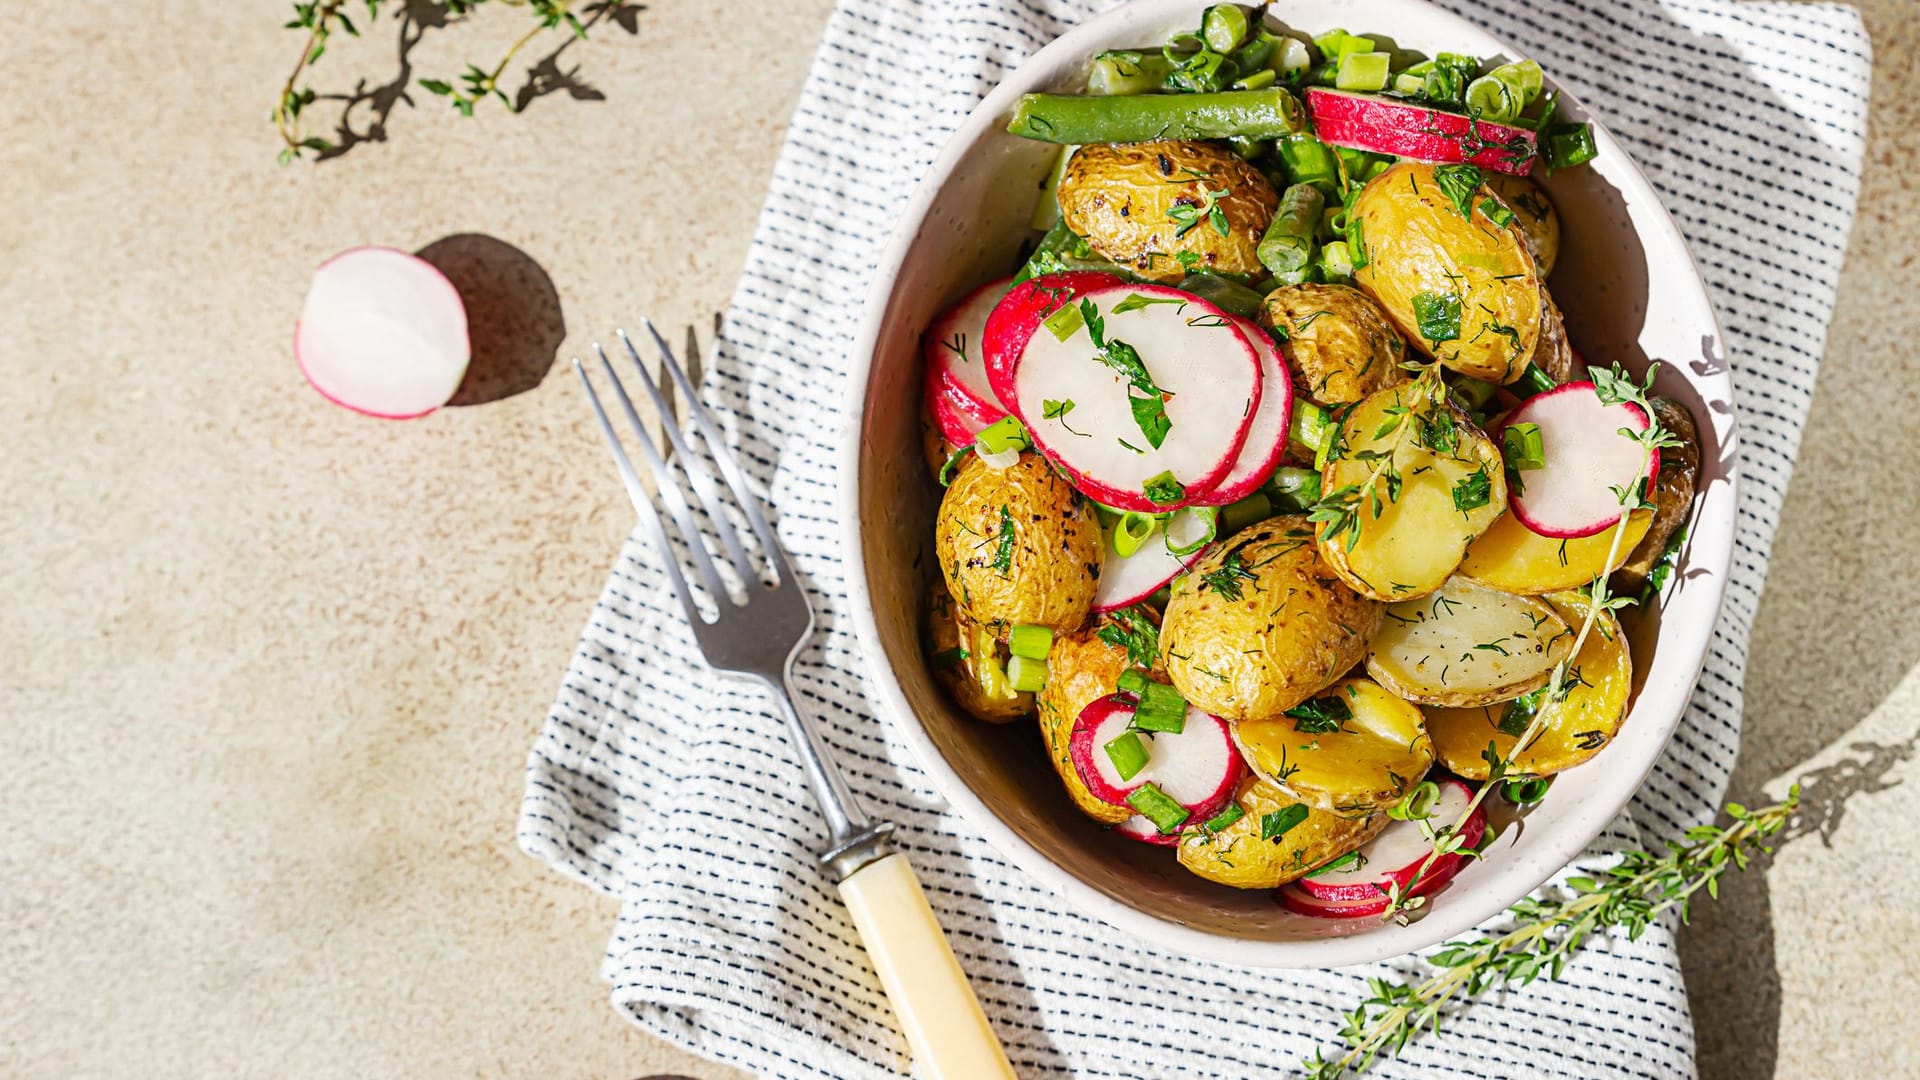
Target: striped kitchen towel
(660, 784)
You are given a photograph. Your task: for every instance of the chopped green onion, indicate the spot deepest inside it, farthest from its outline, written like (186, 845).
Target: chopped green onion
(1163, 489)
(1297, 488)
(1570, 145)
(1352, 860)
(1336, 44)
(1123, 72)
(1133, 681)
(1311, 426)
(1526, 792)
(1417, 804)
(1291, 57)
(1205, 72)
(1032, 642)
(1224, 818)
(1158, 807)
(1473, 393)
(1006, 433)
(1522, 447)
(1258, 80)
(1256, 54)
(1128, 753)
(952, 462)
(1161, 708)
(1224, 27)
(1363, 71)
(1255, 507)
(1028, 675)
(1131, 531)
(1065, 323)
(1336, 262)
(1536, 380)
(1195, 536)
(1491, 99)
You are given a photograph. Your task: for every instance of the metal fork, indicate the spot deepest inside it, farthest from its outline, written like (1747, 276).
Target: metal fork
(757, 631)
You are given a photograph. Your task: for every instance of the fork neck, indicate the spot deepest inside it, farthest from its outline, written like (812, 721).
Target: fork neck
(853, 839)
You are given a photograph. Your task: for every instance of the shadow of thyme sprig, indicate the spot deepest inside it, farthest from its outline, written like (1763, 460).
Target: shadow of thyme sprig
(1630, 896)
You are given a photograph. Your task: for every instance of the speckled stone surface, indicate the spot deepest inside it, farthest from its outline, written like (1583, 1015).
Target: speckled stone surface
(271, 669)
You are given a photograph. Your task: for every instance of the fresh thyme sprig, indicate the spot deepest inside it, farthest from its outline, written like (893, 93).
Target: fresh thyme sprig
(321, 19)
(1614, 387)
(1631, 895)
(1337, 513)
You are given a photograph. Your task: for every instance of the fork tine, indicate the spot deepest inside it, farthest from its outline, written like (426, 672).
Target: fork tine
(669, 489)
(729, 468)
(703, 485)
(641, 501)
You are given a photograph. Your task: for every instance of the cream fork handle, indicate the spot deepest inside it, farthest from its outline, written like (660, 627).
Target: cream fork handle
(945, 1029)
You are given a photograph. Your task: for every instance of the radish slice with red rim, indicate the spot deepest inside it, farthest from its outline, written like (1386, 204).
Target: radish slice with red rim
(1129, 579)
(1586, 456)
(1144, 830)
(1197, 766)
(1384, 125)
(383, 333)
(955, 346)
(1396, 855)
(1083, 412)
(1301, 902)
(1018, 315)
(955, 426)
(1266, 441)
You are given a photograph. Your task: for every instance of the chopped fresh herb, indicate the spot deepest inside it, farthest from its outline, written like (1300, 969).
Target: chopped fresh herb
(1224, 818)
(1321, 715)
(1459, 183)
(1473, 491)
(1146, 398)
(1137, 301)
(1438, 432)
(1226, 580)
(1519, 713)
(1276, 824)
(1496, 213)
(1132, 629)
(1164, 490)
(1058, 410)
(1003, 558)
(1187, 259)
(1438, 316)
(1189, 216)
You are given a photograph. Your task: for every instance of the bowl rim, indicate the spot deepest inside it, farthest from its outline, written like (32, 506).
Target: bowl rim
(1513, 877)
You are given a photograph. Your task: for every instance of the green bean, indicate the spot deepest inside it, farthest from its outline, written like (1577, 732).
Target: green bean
(1224, 293)
(1224, 26)
(1287, 247)
(1077, 118)
(1060, 251)
(1205, 72)
(1122, 73)
(1310, 161)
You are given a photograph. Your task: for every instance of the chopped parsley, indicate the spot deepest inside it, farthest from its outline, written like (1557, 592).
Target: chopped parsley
(1275, 825)
(1003, 558)
(1473, 491)
(1459, 183)
(1058, 410)
(1144, 396)
(1438, 316)
(1496, 213)
(1164, 490)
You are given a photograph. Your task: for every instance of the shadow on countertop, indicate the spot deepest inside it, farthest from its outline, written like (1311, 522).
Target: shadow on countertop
(513, 315)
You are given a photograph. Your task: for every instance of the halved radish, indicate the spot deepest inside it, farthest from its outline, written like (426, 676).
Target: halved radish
(1080, 411)
(1129, 579)
(383, 333)
(1394, 856)
(1144, 830)
(1018, 315)
(1266, 440)
(1384, 125)
(1197, 767)
(955, 348)
(1586, 458)
(955, 426)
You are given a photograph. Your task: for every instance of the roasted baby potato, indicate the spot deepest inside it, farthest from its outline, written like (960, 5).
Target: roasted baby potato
(1538, 220)
(1272, 843)
(1419, 482)
(1554, 353)
(1261, 624)
(1576, 727)
(1673, 490)
(1513, 558)
(1467, 645)
(1082, 668)
(1338, 344)
(968, 663)
(1142, 204)
(1352, 751)
(1018, 545)
(1462, 289)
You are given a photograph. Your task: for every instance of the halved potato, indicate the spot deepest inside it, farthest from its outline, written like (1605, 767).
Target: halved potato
(1353, 750)
(1463, 289)
(1239, 856)
(1513, 558)
(1451, 486)
(1468, 645)
(967, 660)
(1081, 668)
(1575, 728)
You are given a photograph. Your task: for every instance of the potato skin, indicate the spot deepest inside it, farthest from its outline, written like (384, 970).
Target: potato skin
(1237, 856)
(1539, 221)
(1118, 195)
(1554, 353)
(1081, 668)
(1272, 639)
(1673, 490)
(948, 629)
(1338, 344)
(1418, 243)
(1048, 533)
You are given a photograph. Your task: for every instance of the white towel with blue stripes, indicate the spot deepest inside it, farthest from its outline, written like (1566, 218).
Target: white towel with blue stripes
(656, 782)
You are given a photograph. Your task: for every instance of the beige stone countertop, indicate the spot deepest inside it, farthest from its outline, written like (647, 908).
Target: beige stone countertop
(270, 669)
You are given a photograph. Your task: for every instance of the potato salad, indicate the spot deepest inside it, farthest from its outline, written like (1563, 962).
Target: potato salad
(1273, 490)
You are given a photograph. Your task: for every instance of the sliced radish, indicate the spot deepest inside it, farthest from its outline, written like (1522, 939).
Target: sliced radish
(1384, 125)
(1192, 350)
(955, 348)
(383, 333)
(1019, 314)
(1129, 579)
(1197, 767)
(955, 426)
(1586, 459)
(1266, 440)
(1393, 857)
(1301, 902)
(1144, 830)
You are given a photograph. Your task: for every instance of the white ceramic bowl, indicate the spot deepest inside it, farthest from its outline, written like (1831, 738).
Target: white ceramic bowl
(1630, 292)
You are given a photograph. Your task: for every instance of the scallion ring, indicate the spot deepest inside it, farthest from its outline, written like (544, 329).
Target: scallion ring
(1132, 530)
